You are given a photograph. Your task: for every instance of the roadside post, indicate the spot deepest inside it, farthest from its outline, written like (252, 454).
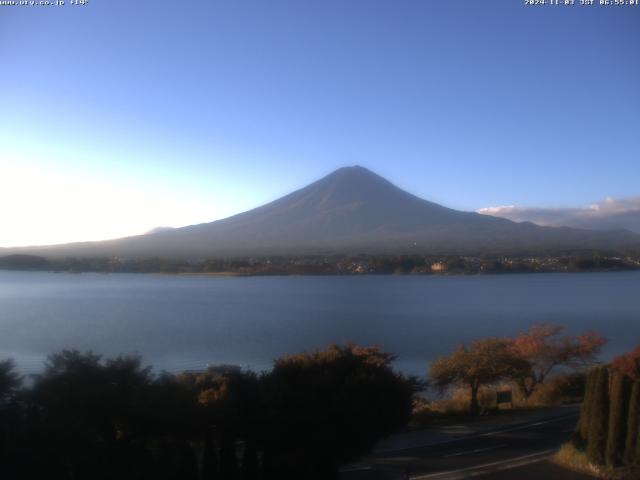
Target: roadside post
(505, 396)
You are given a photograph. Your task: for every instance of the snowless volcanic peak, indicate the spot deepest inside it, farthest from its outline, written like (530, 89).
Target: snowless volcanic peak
(351, 210)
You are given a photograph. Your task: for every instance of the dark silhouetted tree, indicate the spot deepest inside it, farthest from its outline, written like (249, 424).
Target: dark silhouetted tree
(587, 406)
(10, 381)
(176, 428)
(599, 417)
(89, 417)
(636, 460)
(250, 464)
(329, 407)
(11, 431)
(232, 411)
(618, 411)
(92, 412)
(628, 364)
(633, 424)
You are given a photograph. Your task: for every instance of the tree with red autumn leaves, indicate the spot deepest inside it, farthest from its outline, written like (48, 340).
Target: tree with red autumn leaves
(544, 348)
(481, 363)
(527, 359)
(629, 364)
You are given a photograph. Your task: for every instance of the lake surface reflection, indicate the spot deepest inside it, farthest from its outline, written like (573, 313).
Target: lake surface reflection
(183, 322)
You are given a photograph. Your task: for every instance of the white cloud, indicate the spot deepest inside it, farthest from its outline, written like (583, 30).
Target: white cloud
(605, 215)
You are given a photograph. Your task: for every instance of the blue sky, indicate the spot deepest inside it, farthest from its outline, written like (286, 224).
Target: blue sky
(119, 116)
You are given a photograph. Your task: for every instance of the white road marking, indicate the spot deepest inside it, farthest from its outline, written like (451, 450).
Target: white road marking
(521, 427)
(500, 465)
(355, 468)
(472, 436)
(477, 450)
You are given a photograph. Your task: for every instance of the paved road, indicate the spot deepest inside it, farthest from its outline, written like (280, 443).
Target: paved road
(510, 452)
(536, 471)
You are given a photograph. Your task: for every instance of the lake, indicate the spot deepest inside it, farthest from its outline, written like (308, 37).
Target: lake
(186, 322)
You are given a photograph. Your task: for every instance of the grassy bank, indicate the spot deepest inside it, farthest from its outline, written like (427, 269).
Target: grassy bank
(572, 458)
(563, 389)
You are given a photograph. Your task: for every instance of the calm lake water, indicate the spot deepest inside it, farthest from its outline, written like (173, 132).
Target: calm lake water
(182, 322)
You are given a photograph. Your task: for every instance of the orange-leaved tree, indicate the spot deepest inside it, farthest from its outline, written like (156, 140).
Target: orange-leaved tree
(629, 364)
(545, 348)
(483, 362)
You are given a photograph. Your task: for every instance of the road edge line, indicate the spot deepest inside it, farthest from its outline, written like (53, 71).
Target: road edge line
(492, 467)
(473, 435)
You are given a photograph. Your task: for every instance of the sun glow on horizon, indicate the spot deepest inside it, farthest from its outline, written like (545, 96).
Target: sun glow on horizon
(44, 207)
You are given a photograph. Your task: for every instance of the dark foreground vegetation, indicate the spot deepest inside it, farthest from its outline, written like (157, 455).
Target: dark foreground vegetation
(335, 264)
(89, 418)
(607, 440)
(85, 417)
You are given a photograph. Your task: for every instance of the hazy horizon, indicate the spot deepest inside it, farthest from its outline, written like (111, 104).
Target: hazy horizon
(589, 217)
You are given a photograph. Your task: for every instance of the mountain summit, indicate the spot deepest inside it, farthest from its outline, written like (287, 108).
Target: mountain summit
(351, 210)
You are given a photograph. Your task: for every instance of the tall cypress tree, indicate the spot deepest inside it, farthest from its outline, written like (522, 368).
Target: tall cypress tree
(599, 418)
(618, 404)
(636, 460)
(587, 405)
(633, 424)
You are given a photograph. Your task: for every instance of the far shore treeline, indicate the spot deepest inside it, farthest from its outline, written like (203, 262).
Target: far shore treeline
(578, 261)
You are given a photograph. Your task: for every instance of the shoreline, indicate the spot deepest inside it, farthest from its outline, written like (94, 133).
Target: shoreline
(228, 274)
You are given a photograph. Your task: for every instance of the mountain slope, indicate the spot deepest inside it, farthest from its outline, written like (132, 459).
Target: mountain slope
(352, 210)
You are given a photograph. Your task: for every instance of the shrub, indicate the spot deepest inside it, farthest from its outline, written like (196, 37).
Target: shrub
(560, 389)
